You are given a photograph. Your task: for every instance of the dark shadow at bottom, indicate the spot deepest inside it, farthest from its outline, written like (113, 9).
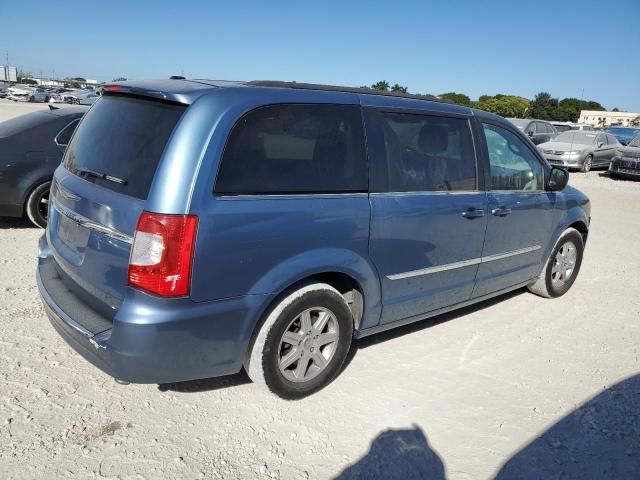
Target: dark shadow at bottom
(398, 454)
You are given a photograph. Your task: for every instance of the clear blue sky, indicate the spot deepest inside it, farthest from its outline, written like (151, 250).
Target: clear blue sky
(474, 47)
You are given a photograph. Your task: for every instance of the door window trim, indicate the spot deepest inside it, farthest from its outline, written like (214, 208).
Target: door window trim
(55, 139)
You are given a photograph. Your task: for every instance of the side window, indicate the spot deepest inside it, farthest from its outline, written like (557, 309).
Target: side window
(63, 138)
(612, 140)
(548, 128)
(513, 165)
(281, 149)
(425, 153)
(601, 140)
(531, 128)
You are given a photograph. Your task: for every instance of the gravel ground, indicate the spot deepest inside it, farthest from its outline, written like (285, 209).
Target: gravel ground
(518, 387)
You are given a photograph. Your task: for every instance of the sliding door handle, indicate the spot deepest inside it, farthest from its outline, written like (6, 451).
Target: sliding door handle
(473, 213)
(500, 211)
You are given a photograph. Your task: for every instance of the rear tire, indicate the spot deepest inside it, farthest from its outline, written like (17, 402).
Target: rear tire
(37, 205)
(303, 342)
(562, 267)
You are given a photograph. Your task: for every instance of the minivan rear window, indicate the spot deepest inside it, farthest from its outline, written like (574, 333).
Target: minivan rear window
(294, 149)
(120, 141)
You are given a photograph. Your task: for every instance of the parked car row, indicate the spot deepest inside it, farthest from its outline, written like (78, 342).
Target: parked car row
(576, 146)
(28, 93)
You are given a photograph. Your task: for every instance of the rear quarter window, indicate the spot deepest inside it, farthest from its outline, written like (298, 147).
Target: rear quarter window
(291, 149)
(122, 137)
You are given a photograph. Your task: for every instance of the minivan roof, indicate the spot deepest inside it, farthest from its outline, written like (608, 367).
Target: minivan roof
(187, 91)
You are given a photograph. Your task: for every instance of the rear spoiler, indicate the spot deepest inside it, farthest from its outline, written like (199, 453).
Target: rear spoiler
(140, 92)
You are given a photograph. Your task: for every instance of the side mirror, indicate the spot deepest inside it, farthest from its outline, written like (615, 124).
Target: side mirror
(600, 144)
(558, 179)
(530, 133)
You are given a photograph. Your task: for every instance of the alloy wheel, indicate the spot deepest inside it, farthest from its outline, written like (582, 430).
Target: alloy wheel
(564, 264)
(308, 344)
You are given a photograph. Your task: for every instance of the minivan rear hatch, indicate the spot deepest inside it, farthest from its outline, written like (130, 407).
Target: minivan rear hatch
(100, 191)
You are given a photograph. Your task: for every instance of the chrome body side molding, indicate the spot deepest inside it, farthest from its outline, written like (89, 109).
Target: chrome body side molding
(463, 263)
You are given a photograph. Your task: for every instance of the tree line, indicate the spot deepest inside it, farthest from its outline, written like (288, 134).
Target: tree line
(543, 106)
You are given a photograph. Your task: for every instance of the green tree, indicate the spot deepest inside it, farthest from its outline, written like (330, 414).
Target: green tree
(381, 85)
(504, 105)
(398, 88)
(27, 81)
(615, 109)
(544, 107)
(635, 122)
(459, 98)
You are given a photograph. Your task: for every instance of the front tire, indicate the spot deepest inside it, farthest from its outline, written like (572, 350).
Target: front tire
(588, 163)
(37, 206)
(562, 266)
(302, 343)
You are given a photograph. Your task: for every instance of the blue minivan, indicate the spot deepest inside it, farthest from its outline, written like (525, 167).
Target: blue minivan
(198, 227)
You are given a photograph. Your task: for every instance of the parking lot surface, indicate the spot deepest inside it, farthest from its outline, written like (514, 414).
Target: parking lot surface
(515, 386)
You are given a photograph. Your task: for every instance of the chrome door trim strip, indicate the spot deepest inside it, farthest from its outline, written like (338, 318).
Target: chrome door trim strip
(439, 268)
(91, 225)
(500, 256)
(464, 263)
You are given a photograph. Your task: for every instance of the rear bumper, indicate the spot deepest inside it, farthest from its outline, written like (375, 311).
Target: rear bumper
(153, 340)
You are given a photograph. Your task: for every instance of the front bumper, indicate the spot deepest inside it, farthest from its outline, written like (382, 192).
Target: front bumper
(151, 339)
(566, 162)
(625, 167)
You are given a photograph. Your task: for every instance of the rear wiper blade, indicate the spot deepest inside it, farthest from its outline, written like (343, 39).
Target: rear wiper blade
(100, 175)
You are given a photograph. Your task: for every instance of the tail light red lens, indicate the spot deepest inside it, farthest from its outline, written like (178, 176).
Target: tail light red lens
(162, 254)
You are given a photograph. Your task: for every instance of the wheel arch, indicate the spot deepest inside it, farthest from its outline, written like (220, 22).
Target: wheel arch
(356, 280)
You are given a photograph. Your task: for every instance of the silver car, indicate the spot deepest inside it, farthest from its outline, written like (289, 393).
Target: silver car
(581, 150)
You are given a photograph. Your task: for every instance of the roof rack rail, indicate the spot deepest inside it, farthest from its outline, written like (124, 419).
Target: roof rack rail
(335, 88)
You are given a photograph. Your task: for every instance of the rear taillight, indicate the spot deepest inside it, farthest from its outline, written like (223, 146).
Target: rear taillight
(162, 253)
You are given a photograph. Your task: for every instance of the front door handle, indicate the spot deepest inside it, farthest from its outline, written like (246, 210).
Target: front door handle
(473, 213)
(500, 211)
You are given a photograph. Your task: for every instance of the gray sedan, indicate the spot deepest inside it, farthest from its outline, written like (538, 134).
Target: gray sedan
(581, 150)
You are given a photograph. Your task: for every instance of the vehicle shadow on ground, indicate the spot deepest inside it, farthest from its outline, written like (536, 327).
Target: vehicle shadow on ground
(600, 439)
(11, 222)
(398, 332)
(207, 384)
(241, 378)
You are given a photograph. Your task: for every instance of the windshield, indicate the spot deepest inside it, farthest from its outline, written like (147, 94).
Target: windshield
(119, 143)
(576, 136)
(519, 122)
(635, 142)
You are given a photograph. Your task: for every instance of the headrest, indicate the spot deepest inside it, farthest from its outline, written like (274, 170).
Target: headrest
(433, 139)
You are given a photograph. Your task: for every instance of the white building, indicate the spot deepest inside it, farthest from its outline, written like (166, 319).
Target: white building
(46, 82)
(8, 73)
(606, 119)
